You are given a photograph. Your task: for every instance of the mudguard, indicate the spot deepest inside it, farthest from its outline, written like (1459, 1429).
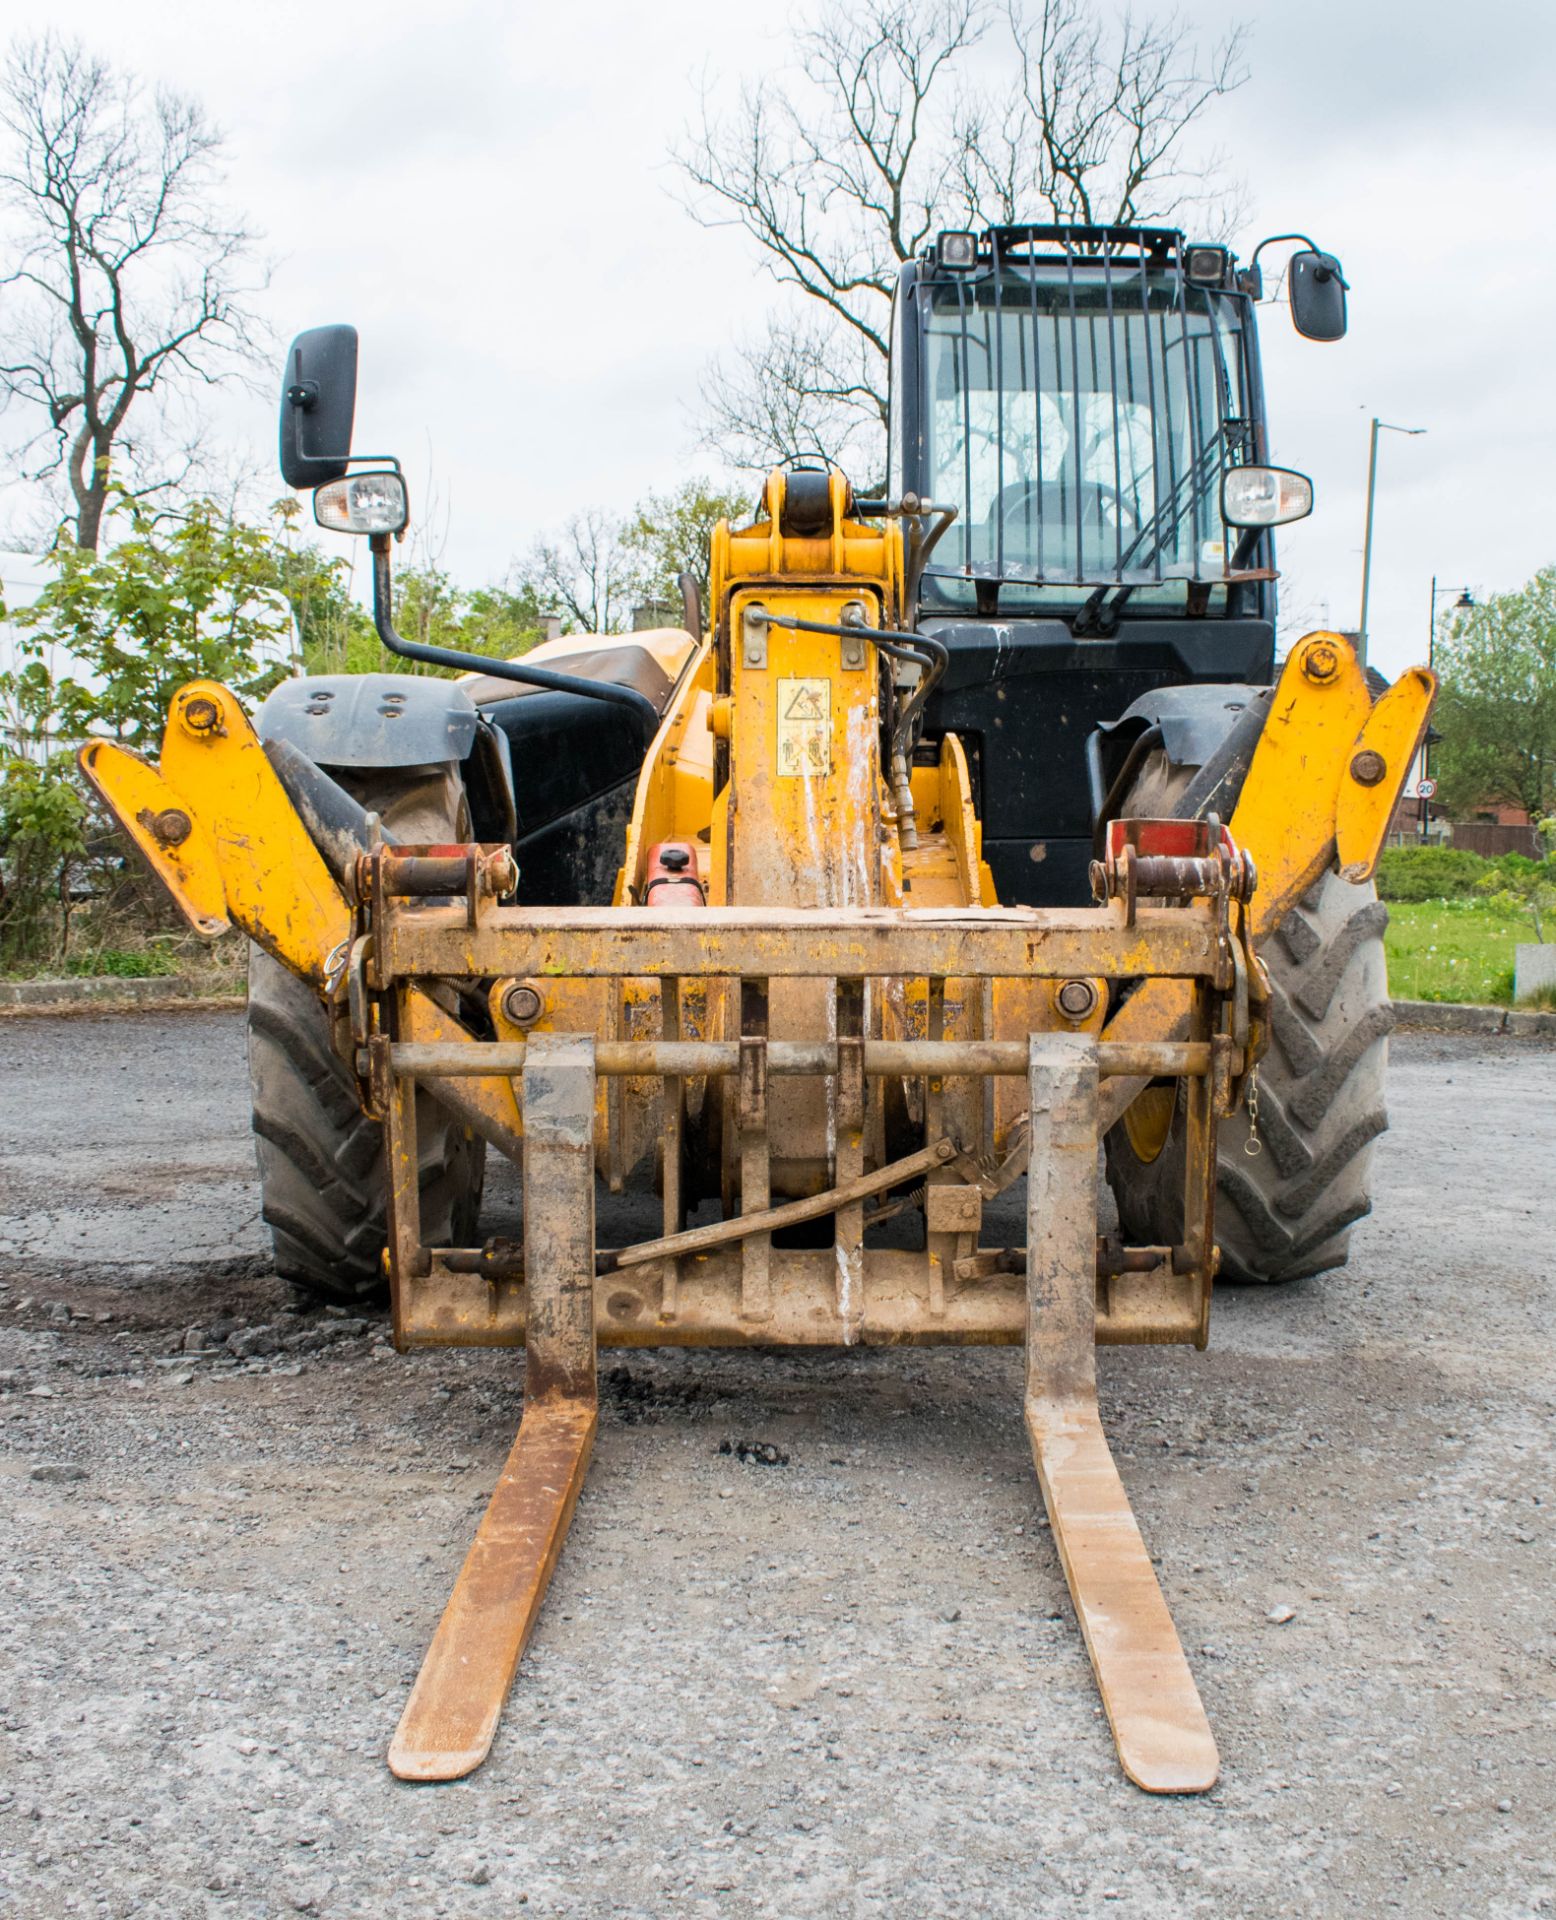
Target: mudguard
(1194, 720)
(371, 719)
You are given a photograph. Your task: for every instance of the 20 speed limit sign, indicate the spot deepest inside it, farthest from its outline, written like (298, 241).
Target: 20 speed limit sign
(1425, 789)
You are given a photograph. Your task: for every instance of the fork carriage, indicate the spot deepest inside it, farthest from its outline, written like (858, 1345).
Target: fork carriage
(727, 1284)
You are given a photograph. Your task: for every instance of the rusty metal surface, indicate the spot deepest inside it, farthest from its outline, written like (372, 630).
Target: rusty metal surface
(489, 1104)
(452, 1714)
(697, 1302)
(903, 1058)
(1159, 1727)
(784, 942)
(451, 1717)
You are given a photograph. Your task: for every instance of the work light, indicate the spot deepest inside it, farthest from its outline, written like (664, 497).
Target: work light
(362, 503)
(1205, 266)
(958, 251)
(1265, 496)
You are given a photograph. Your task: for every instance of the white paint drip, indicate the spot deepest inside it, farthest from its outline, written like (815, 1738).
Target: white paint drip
(820, 868)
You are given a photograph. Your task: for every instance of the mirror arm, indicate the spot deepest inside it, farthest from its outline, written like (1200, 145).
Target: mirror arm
(603, 690)
(1243, 552)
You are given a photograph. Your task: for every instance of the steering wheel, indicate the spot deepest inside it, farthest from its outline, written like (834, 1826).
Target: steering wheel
(1055, 503)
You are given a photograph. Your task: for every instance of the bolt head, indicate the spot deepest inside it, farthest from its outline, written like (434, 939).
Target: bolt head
(1368, 768)
(1321, 664)
(523, 1005)
(1076, 999)
(172, 827)
(201, 715)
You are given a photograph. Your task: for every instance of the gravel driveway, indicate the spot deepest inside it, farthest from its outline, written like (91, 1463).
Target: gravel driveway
(846, 1685)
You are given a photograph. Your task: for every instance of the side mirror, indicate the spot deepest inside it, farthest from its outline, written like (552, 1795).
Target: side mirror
(1317, 296)
(318, 405)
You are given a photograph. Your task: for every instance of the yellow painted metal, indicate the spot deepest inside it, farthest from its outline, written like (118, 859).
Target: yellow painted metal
(1299, 795)
(674, 799)
(562, 942)
(174, 842)
(488, 1104)
(1285, 818)
(1383, 751)
(805, 760)
(851, 549)
(1149, 1121)
(274, 882)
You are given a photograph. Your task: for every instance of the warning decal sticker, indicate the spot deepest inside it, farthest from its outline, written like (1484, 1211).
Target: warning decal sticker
(804, 728)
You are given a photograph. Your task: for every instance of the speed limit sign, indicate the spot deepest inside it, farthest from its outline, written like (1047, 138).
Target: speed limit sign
(1425, 789)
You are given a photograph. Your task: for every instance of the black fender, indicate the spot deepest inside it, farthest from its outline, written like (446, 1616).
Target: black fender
(1213, 728)
(362, 720)
(371, 719)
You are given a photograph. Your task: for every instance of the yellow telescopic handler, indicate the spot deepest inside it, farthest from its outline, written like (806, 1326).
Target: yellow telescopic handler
(969, 833)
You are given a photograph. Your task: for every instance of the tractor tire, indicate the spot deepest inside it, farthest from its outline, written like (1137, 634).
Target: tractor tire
(323, 1183)
(1286, 1212)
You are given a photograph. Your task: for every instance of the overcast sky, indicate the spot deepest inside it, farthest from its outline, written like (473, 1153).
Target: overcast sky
(483, 190)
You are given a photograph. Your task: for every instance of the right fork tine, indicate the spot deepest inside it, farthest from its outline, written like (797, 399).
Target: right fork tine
(1159, 1727)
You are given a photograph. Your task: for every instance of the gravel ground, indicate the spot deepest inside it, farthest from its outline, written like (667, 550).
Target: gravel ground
(847, 1685)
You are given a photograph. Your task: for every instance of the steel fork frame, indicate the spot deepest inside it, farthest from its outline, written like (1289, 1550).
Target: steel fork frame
(1159, 1726)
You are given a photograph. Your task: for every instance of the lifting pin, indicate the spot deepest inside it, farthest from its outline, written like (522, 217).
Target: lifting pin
(1369, 767)
(202, 716)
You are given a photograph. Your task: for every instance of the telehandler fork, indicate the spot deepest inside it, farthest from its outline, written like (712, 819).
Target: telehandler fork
(807, 1006)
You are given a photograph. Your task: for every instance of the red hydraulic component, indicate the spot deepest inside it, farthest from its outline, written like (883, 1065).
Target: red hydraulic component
(672, 877)
(1174, 860)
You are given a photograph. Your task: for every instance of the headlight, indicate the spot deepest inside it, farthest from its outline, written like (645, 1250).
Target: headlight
(1261, 496)
(362, 503)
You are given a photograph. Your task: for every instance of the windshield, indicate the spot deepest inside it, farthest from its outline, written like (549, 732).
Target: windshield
(1078, 420)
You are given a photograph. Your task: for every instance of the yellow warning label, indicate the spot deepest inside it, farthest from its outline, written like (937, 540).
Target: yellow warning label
(804, 728)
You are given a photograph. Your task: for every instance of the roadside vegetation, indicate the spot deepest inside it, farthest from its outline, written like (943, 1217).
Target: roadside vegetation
(1454, 920)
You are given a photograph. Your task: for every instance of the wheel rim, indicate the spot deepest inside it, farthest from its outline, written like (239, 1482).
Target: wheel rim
(1148, 1121)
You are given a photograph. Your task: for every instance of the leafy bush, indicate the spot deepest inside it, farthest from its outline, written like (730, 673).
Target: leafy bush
(1430, 873)
(1529, 887)
(41, 839)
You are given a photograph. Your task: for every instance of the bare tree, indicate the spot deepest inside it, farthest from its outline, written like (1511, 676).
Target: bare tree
(129, 282)
(886, 131)
(588, 572)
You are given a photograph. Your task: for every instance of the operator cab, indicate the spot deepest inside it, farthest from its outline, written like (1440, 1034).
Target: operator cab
(1089, 400)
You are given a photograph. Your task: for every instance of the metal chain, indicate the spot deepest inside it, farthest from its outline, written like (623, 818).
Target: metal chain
(1253, 1146)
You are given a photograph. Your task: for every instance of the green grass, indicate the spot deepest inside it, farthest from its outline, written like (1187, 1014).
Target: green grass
(123, 963)
(1453, 950)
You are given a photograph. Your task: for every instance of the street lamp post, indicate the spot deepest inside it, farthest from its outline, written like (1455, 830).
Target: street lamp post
(1465, 601)
(1378, 426)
